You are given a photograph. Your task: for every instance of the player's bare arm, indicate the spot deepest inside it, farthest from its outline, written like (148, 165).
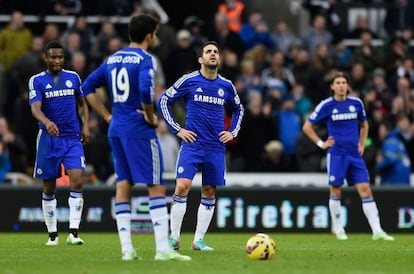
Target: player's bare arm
(86, 135)
(309, 129)
(187, 135)
(363, 135)
(37, 112)
(225, 136)
(96, 103)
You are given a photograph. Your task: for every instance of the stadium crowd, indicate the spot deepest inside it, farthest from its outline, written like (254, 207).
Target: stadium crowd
(280, 76)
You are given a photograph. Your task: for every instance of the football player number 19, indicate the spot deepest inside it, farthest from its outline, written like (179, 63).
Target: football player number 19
(120, 85)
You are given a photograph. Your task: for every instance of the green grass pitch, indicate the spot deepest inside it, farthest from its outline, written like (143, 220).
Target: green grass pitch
(296, 253)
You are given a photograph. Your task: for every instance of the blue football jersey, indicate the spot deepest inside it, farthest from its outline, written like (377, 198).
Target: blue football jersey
(129, 77)
(58, 94)
(204, 101)
(342, 120)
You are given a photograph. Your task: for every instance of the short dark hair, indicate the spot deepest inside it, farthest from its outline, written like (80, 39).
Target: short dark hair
(200, 53)
(54, 44)
(140, 25)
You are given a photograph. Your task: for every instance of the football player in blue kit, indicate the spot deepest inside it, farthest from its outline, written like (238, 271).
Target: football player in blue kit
(55, 96)
(347, 127)
(129, 75)
(203, 147)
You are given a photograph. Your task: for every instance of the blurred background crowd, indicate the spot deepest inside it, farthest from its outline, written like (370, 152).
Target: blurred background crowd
(281, 72)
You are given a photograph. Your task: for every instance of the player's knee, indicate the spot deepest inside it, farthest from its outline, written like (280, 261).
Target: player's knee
(182, 187)
(76, 182)
(208, 191)
(364, 190)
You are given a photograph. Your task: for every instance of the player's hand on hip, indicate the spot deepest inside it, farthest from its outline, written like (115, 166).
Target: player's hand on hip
(361, 149)
(329, 142)
(153, 121)
(187, 135)
(52, 128)
(225, 136)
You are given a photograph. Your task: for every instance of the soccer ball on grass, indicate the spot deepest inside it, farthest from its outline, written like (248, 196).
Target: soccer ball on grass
(260, 247)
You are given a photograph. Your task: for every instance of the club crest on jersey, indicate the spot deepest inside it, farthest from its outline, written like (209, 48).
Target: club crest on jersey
(351, 115)
(220, 92)
(68, 83)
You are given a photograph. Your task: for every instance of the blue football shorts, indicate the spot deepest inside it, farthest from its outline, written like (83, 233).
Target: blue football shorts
(53, 151)
(139, 161)
(349, 167)
(211, 164)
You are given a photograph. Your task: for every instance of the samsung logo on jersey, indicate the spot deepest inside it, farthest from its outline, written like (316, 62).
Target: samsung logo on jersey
(125, 59)
(208, 99)
(344, 116)
(59, 93)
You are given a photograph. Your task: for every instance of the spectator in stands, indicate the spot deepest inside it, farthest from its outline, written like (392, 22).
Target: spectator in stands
(257, 130)
(195, 26)
(301, 68)
(309, 157)
(358, 79)
(5, 164)
(51, 32)
(22, 120)
(377, 99)
(395, 165)
(248, 80)
(278, 75)
(114, 44)
(236, 13)
(182, 59)
(78, 63)
(261, 55)
(327, 9)
(15, 41)
(98, 151)
(398, 105)
(166, 41)
(289, 126)
(405, 69)
(225, 37)
(273, 160)
(73, 45)
(303, 105)
(369, 56)
(403, 89)
(86, 34)
(283, 37)
(14, 145)
(101, 46)
(361, 25)
(28, 64)
(169, 146)
(396, 51)
(342, 55)
(398, 16)
(230, 67)
(256, 31)
(322, 65)
(316, 35)
(68, 7)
